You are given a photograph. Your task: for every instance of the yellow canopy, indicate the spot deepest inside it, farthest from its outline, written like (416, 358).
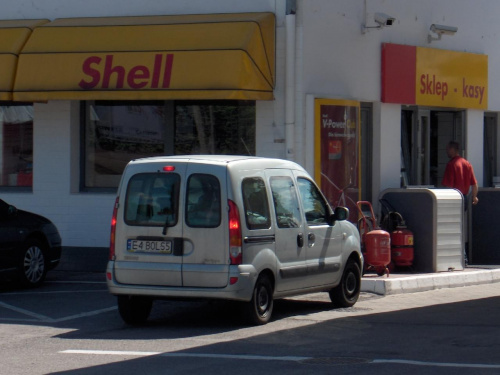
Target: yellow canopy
(13, 35)
(216, 56)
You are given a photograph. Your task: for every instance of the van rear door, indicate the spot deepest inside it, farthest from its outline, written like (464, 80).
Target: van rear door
(206, 237)
(149, 239)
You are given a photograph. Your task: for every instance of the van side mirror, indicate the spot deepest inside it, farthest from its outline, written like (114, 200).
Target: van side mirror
(340, 214)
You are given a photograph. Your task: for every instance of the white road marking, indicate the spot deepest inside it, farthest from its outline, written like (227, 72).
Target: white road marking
(436, 364)
(75, 282)
(26, 312)
(191, 355)
(46, 319)
(90, 313)
(110, 352)
(274, 358)
(55, 292)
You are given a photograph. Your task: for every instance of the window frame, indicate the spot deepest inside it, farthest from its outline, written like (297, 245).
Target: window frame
(20, 189)
(188, 212)
(177, 186)
(247, 204)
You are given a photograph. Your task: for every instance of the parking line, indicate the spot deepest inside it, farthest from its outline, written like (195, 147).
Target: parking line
(82, 315)
(275, 358)
(46, 319)
(26, 312)
(191, 355)
(75, 282)
(23, 293)
(436, 364)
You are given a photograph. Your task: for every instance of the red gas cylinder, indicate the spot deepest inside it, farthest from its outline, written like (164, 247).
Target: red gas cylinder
(377, 248)
(402, 246)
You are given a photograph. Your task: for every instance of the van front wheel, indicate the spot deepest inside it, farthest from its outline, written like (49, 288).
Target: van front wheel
(134, 310)
(347, 292)
(260, 308)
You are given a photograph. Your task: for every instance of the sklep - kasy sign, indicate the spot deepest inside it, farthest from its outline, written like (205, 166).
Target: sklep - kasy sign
(434, 77)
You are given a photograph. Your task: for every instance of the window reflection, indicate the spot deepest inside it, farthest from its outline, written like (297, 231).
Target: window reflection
(16, 145)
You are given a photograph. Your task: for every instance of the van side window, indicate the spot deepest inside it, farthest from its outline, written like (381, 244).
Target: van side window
(286, 204)
(315, 207)
(255, 203)
(152, 199)
(203, 208)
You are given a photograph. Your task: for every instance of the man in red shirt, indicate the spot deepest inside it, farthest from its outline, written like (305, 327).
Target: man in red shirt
(459, 173)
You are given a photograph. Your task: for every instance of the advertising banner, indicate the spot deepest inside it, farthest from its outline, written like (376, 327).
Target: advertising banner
(337, 152)
(434, 77)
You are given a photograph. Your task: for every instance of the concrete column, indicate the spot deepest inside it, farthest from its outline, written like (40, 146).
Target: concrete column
(474, 123)
(386, 148)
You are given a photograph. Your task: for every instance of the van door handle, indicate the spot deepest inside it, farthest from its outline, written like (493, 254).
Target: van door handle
(300, 240)
(311, 238)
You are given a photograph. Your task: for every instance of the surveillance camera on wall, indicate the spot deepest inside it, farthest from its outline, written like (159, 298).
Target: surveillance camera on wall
(443, 29)
(384, 20)
(440, 30)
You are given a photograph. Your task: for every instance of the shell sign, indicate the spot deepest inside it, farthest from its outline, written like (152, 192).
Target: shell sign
(434, 77)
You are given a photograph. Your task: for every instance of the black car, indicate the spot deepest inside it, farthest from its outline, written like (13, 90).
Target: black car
(30, 245)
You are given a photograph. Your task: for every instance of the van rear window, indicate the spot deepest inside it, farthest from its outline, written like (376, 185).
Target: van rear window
(203, 204)
(153, 199)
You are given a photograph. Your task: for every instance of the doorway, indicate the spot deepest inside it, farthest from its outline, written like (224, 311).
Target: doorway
(424, 136)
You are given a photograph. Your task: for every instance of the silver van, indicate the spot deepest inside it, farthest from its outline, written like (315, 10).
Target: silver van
(237, 228)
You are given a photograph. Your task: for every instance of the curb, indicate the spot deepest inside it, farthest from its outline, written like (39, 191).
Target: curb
(422, 283)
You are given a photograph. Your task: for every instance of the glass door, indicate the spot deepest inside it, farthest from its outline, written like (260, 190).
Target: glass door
(423, 147)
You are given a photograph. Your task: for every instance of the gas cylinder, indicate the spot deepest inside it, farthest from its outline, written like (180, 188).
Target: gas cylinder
(402, 252)
(377, 245)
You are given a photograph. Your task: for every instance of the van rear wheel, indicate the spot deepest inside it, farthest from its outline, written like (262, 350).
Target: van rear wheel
(260, 308)
(134, 310)
(347, 292)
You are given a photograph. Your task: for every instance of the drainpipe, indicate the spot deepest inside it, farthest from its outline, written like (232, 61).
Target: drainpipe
(290, 86)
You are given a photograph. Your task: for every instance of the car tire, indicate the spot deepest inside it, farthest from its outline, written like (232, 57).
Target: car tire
(347, 292)
(32, 265)
(260, 308)
(134, 310)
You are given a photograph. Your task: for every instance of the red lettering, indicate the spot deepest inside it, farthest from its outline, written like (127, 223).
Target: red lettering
(89, 71)
(429, 86)
(110, 69)
(156, 71)
(168, 71)
(138, 72)
(137, 77)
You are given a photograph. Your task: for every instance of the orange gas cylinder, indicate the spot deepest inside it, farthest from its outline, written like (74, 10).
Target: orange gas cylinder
(402, 246)
(377, 244)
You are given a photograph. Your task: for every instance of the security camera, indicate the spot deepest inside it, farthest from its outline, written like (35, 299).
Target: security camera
(384, 20)
(443, 29)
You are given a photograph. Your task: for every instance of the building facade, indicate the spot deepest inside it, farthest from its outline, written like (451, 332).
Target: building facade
(364, 94)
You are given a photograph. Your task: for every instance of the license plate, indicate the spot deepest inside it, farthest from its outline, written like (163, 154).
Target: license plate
(144, 246)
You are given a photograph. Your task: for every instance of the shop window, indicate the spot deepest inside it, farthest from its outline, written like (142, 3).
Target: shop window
(226, 128)
(115, 132)
(16, 146)
(490, 153)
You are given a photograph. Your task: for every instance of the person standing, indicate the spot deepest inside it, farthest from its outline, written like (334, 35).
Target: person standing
(459, 175)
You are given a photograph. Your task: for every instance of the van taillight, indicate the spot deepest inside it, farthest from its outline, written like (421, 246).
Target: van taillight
(234, 233)
(113, 231)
